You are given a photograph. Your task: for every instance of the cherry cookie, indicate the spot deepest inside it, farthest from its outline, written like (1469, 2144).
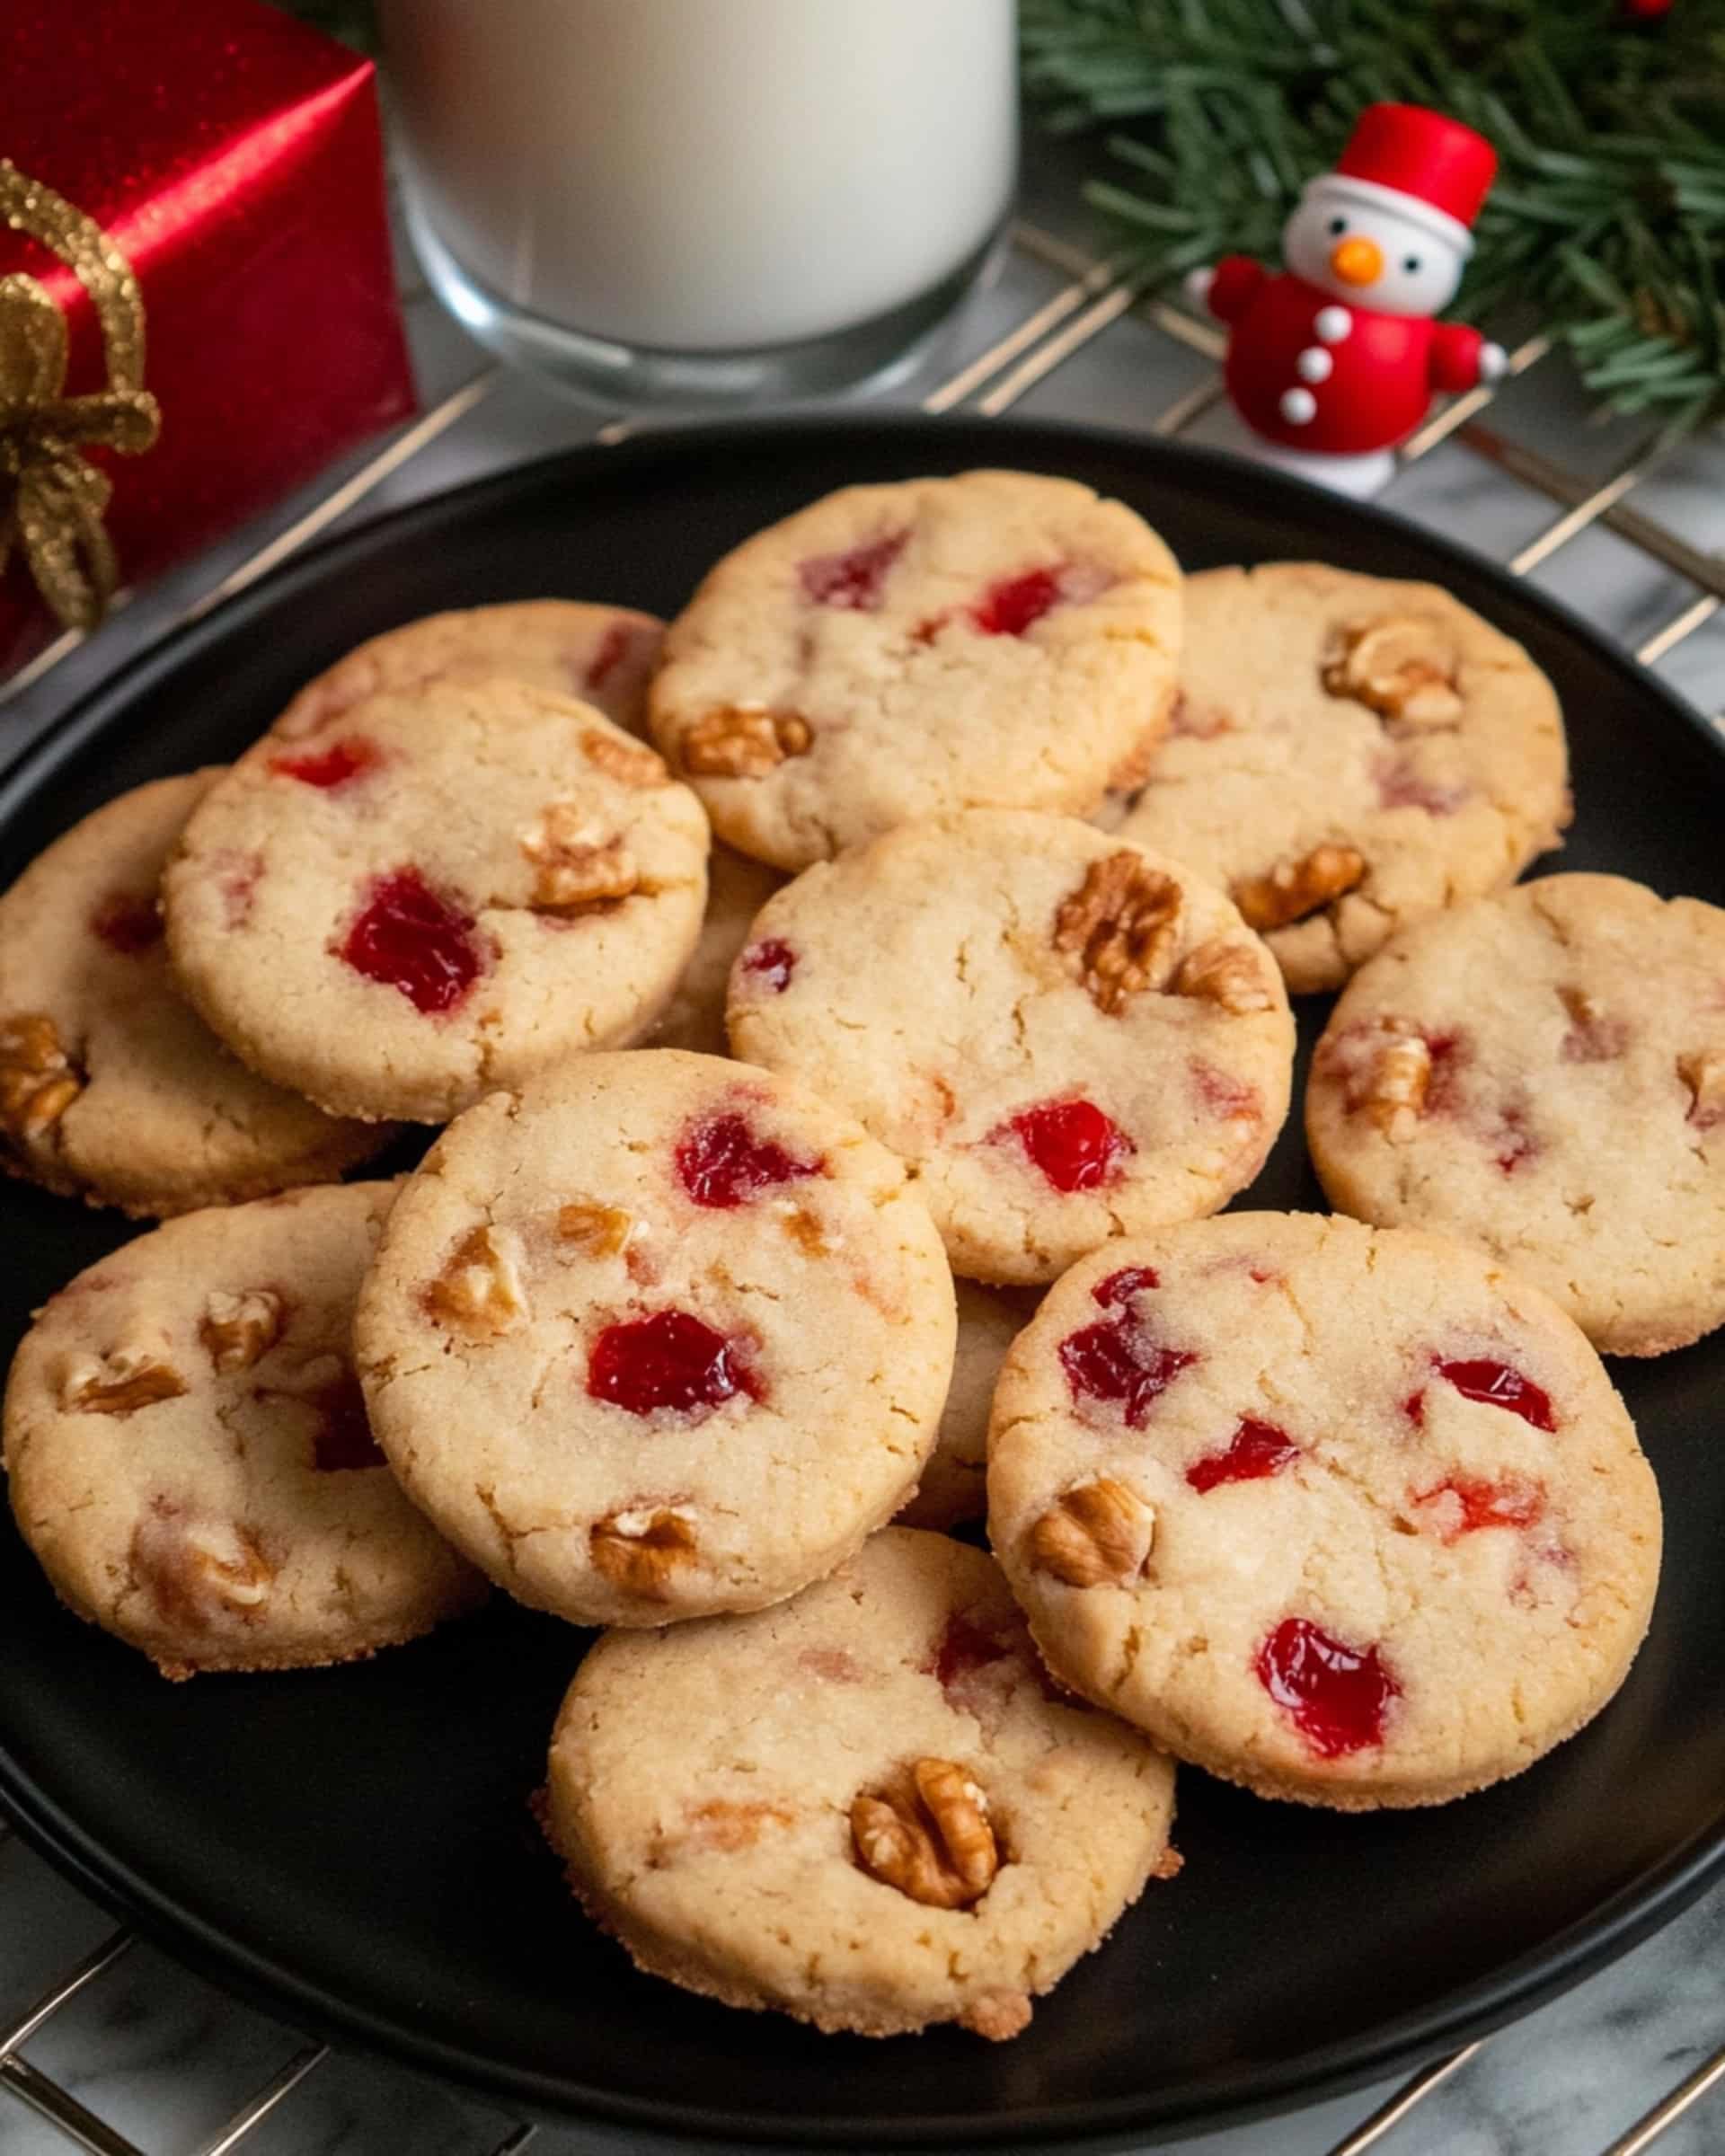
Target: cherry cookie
(864, 1808)
(657, 1336)
(1348, 1514)
(1064, 1037)
(604, 655)
(111, 1088)
(954, 1484)
(1349, 755)
(1543, 1073)
(439, 891)
(189, 1456)
(897, 652)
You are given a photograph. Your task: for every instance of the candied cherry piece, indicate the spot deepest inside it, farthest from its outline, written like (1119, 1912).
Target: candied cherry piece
(722, 1163)
(1336, 1695)
(963, 1647)
(328, 768)
(1118, 1288)
(1072, 1142)
(1517, 1143)
(343, 1438)
(772, 963)
(1017, 603)
(669, 1362)
(613, 649)
(127, 924)
(1509, 1501)
(410, 939)
(1497, 1385)
(1256, 1450)
(1123, 1362)
(856, 578)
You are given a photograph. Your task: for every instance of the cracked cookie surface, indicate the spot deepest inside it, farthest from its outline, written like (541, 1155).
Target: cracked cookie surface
(659, 1337)
(188, 1453)
(437, 891)
(110, 1087)
(863, 1808)
(1065, 1039)
(1349, 754)
(1543, 1073)
(897, 652)
(1350, 1515)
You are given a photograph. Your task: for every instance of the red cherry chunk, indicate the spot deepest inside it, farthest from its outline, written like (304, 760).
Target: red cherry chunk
(722, 1163)
(1119, 1289)
(1515, 1143)
(1255, 1451)
(1073, 1143)
(772, 963)
(613, 648)
(1336, 1695)
(343, 1439)
(128, 925)
(963, 1647)
(1509, 1501)
(856, 578)
(327, 768)
(410, 939)
(1121, 1360)
(669, 1362)
(1235, 1100)
(1017, 603)
(1497, 1385)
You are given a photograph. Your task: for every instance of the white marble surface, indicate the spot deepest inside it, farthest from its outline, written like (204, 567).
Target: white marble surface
(165, 2060)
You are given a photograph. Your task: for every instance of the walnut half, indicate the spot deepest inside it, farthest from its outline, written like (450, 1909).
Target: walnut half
(1121, 924)
(928, 1836)
(1228, 975)
(640, 1550)
(1098, 1534)
(1294, 888)
(731, 743)
(38, 1082)
(240, 1329)
(1402, 668)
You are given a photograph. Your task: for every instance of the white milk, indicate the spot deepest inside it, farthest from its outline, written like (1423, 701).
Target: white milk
(707, 175)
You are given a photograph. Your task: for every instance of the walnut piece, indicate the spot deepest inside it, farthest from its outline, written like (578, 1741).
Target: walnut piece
(240, 1329)
(1294, 888)
(1121, 924)
(595, 1230)
(198, 1571)
(1702, 1072)
(735, 743)
(627, 761)
(1228, 975)
(1098, 1534)
(805, 1230)
(928, 1836)
(123, 1381)
(1396, 1085)
(1402, 667)
(724, 1825)
(38, 1082)
(1594, 1035)
(577, 863)
(639, 1551)
(479, 1291)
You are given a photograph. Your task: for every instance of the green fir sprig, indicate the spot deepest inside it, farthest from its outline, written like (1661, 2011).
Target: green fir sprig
(1607, 220)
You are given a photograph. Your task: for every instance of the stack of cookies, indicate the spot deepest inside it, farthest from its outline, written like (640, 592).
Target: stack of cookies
(814, 1188)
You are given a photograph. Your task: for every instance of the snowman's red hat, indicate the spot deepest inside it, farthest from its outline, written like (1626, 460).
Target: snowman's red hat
(1424, 165)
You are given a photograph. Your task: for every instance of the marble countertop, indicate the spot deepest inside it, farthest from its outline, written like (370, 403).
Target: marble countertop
(166, 2061)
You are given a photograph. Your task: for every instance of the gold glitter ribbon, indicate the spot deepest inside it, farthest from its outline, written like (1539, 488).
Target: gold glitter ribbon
(52, 499)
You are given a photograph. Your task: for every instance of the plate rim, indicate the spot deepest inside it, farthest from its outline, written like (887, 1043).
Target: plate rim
(1638, 1909)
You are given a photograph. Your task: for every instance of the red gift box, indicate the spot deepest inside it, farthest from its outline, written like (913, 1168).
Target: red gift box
(191, 209)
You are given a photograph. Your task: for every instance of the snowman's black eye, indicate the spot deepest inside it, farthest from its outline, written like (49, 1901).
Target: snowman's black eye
(1338, 225)
(1410, 264)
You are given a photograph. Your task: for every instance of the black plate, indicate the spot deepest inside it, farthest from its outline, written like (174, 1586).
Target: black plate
(353, 1845)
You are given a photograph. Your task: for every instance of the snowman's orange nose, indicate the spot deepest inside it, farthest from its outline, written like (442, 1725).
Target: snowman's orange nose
(1356, 261)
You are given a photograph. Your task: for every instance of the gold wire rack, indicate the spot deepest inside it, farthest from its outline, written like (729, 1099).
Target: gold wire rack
(1091, 296)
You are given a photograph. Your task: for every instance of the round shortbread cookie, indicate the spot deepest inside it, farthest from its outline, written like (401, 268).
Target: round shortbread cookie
(188, 1452)
(1065, 1039)
(111, 1088)
(736, 889)
(863, 1808)
(900, 652)
(440, 891)
(1348, 1514)
(658, 1337)
(1349, 755)
(1543, 1073)
(604, 655)
(954, 1483)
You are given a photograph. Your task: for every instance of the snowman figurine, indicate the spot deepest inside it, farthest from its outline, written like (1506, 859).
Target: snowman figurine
(1333, 362)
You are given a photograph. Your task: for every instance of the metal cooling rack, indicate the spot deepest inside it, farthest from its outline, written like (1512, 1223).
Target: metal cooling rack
(1091, 296)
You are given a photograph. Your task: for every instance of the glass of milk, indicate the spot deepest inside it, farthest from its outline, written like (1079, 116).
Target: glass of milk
(704, 199)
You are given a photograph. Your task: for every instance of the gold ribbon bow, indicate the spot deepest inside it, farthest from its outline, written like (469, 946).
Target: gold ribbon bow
(52, 499)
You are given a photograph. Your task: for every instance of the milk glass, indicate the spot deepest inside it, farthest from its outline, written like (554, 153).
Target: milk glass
(704, 198)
